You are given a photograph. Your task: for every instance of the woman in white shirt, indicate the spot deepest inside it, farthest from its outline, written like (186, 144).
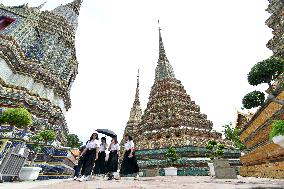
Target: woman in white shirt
(100, 164)
(129, 163)
(90, 154)
(112, 163)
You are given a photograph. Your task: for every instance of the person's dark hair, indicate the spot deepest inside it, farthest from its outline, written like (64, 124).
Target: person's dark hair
(115, 139)
(97, 138)
(82, 148)
(129, 137)
(104, 139)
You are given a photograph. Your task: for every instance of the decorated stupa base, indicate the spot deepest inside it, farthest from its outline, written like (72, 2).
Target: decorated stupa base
(193, 160)
(56, 163)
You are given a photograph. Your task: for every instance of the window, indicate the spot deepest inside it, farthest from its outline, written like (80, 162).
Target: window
(5, 22)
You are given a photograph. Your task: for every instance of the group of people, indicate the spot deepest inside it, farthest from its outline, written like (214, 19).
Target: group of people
(92, 159)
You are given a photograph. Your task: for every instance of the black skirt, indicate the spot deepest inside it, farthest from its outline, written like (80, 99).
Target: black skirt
(112, 163)
(100, 164)
(88, 162)
(129, 165)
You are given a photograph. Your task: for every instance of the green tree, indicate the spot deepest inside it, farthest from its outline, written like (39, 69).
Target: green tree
(217, 150)
(19, 117)
(277, 128)
(73, 141)
(265, 71)
(233, 134)
(172, 155)
(36, 147)
(253, 99)
(47, 136)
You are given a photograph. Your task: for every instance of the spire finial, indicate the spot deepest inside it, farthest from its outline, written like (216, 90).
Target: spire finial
(164, 69)
(75, 5)
(41, 5)
(136, 101)
(162, 52)
(138, 77)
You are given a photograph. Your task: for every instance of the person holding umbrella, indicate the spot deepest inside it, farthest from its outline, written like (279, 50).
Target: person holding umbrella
(112, 163)
(129, 163)
(90, 154)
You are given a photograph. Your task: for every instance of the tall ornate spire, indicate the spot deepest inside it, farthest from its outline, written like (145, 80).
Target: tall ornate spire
(134, 118)
(164, 69)
(135, 112)
(162, 52)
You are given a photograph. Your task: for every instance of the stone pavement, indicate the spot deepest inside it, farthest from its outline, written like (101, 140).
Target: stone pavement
(181, 182)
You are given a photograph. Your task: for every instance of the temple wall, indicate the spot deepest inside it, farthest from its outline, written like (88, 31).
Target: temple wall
(27, 82)
(264, 158)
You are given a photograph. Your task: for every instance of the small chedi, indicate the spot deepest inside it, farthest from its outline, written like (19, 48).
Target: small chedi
(38, 62)
(264, 158)
(134, 118)
(172, 119)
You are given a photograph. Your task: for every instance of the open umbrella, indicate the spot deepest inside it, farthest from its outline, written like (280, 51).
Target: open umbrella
(106, 132)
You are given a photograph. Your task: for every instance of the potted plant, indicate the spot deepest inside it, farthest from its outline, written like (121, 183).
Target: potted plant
(216, 151)
(266, 71)
(19, 117)
(48, 136)
(30, 171)
(277, 132)
(172, 158)
(220, 168)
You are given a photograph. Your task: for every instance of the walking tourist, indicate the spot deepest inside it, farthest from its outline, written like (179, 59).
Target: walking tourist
(78, 167)
(129, 163)
(112, 163)
(100, 164)
(90, 154)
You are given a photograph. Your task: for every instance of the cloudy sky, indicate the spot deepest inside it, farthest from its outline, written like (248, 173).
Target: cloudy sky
(211, 45)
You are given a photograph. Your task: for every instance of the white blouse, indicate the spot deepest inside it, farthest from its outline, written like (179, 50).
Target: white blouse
(128, 145)
(92, 144)
(114, 147)
(103, 147)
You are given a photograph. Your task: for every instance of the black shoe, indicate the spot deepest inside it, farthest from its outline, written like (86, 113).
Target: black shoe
(110, 177)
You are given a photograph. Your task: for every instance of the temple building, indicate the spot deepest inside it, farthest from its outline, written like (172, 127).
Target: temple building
(275, 22)
(242, 118)
(172, 119)
(263, 157)
(38, 62)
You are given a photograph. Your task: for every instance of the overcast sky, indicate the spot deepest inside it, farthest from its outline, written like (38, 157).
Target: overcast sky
(211, 45)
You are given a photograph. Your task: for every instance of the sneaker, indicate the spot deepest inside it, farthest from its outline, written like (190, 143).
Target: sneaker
(75, 178)
(83, 178)
(110, 177)
(136, 177)
(88, 178)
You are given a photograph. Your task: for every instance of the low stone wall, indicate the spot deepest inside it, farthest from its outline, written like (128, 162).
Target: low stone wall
(266, 170)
